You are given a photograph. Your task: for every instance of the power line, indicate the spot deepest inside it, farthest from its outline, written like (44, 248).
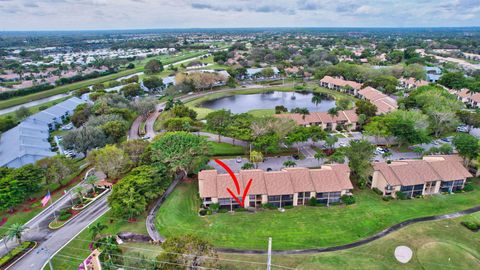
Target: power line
(162, 251)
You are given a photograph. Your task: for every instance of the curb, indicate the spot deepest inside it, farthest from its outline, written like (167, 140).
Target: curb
(21, 257)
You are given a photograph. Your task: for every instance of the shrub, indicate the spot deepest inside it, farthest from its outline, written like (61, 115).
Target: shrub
(64, 215)
(240, 209)
(468, 187)
(348, 199)
(473, 226)
(202, 212)
(378, 191)
(214, 207)
(288, 206)
(14, 252)
(401, 195)
(387, 198)
(312, 201)
(222, 210)
(268, 206)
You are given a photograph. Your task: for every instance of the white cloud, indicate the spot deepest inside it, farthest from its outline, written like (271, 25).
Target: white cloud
(121, 14)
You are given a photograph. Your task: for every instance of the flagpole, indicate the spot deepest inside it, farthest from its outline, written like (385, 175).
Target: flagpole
(51, 203)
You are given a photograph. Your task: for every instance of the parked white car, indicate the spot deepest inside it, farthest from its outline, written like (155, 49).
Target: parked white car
(462, 129)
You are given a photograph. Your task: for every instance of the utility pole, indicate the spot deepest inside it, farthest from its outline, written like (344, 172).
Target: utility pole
(269, 260)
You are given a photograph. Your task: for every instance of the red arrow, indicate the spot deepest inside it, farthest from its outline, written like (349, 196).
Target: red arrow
(234, 178)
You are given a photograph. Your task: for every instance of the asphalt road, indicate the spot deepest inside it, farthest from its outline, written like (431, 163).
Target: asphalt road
(53, 241)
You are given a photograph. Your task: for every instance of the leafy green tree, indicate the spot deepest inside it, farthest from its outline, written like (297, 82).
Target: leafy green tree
(467, 146)
(360, 154)
(111, 252)
(131, 90)
(115, 130)
(366, 108)
(144, 106)
(178, 124)
(111, 160)
(29, 178)
(180, 110)
(153, 66)
(201, 254)
(218, 121)
(84, 139)
(10, 193)
(153, 82)
(446, 149)
(256, 157)
(180, 151)
(136, 150)
(56, 168)
(337, 157)
(298, 136)
(454, 80)
(471, 119)
(408, 127)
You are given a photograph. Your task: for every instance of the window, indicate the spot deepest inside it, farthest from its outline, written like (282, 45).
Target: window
(280, 201)
(412, 191)
(450, 186)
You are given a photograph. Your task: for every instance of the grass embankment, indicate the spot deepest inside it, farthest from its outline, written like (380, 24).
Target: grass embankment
(78, 250)
(74, 86)
(225, 149)
(441, 244)
(301, 227)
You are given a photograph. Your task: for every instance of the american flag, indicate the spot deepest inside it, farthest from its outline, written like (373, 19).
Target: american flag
(46, 199)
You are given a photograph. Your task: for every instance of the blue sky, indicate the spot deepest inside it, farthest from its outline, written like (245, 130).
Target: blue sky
(131, 14)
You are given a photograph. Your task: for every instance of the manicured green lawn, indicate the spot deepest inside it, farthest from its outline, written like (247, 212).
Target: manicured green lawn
(78, 250)
(225, 149)
(262, 112)
(441, 244)
(301, 227)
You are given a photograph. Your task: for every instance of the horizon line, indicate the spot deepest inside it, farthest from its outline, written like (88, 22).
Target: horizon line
(250, 27)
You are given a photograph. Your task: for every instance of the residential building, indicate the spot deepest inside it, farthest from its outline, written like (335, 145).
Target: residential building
(28, 142)
(411, 83)
(339, 84)
(256, 74)
(288, 187)
(384, 103)
(433, 74)
(347, 119)
(430, 175)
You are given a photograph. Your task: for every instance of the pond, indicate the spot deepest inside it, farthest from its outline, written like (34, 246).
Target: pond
(268, 100)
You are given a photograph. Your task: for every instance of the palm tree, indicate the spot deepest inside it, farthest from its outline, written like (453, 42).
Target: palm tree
(96, 229)
(318, 156)
(91, 180)
(333, 112)
(79, 192)
(108, 246)
(289, 163)
(316, 99)
(15, 231)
